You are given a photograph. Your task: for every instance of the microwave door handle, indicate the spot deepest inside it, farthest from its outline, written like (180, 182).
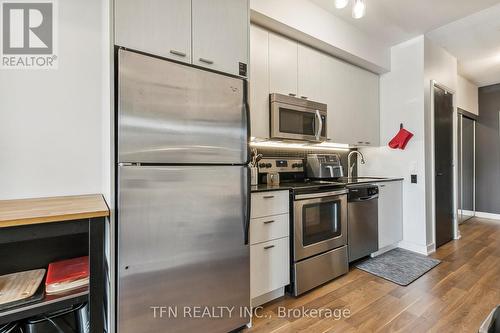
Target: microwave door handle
(319, 128)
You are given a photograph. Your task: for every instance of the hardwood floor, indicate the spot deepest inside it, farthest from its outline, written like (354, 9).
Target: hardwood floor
(455, 296)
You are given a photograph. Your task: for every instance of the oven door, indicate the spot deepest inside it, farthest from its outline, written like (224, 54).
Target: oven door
(297, 123)
(320, 223)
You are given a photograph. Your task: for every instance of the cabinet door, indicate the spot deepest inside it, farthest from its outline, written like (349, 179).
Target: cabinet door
(159, 27)
(366, 110)
(220, 35)
(259, 82)
(353, 104)
(269, 266)
(311, 64)
(339, 104)
(390, 213)
(282, 65)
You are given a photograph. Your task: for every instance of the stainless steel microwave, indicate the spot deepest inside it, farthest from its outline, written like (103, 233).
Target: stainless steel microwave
(297, 119)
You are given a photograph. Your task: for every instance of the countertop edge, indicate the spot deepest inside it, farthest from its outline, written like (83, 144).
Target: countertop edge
(285, 187)
(20, 212)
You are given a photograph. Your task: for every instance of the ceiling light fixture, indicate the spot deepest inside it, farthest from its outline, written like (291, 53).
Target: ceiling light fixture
(358, 9)
(339, 4)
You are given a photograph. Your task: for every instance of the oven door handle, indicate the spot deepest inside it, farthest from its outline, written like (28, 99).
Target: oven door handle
(319, 195)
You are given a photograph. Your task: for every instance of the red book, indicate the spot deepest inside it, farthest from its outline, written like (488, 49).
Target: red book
(67, 275)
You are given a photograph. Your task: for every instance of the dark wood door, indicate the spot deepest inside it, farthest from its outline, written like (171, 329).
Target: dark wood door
(443, 145)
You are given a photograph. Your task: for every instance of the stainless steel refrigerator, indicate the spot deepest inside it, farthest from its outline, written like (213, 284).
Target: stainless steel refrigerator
(183, 197)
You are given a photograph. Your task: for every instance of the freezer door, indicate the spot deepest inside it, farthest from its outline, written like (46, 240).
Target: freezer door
(173, 113)
(181, 245)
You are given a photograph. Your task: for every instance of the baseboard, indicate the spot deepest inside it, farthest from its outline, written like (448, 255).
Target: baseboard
(422, 249)
(466, 212)
(431, 248)
(490, 216)
(384, 250)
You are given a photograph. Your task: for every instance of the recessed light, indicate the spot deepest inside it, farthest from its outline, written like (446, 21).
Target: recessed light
(341, 3)
(358, 9)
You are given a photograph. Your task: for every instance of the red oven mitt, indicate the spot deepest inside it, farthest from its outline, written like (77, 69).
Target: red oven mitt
(401, 139)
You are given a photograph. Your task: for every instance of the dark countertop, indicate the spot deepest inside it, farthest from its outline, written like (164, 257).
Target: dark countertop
(368, 180)
(267, 188)
(354, 181)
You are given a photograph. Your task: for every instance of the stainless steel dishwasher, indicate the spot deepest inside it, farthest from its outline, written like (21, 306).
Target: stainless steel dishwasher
(362, 221)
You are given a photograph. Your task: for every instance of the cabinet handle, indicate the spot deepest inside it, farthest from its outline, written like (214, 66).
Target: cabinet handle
(268, 247)
(381, 185)
(303, 97)
(207, 61)
(360, 142)
(367, 143)
(267, 222)
(178, 53)
(292, 94)
(268, 196)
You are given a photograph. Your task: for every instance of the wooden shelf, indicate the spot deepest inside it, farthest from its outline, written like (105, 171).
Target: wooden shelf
(54, 209)
(49, 304)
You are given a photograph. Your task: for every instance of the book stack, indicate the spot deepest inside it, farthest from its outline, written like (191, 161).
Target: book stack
(67, 275)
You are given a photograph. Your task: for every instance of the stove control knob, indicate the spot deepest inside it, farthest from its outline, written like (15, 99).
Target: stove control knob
(300, 165)
(268, 165)
(262, 165)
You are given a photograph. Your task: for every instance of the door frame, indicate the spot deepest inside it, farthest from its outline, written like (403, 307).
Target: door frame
(456, 230)
(462, 113)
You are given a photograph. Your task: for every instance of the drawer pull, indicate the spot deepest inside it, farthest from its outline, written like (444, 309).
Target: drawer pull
(267, 222)
(268, 196)
(178, 53)
(206, 61)
(268, 247)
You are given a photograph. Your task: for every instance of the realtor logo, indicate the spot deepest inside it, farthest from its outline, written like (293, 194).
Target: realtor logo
(28, 31)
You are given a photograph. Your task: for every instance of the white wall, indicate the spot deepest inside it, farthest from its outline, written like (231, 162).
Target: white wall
(402, 101)
(307, 19)
(467, 95)
(405, 97)
(441, 67)
(51, 121)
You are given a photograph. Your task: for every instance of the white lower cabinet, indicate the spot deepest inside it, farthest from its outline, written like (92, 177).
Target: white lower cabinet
(390, 214)
(269, 246)
(269, 266)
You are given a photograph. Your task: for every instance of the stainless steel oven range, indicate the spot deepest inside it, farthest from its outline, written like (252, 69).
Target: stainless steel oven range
(319, 248)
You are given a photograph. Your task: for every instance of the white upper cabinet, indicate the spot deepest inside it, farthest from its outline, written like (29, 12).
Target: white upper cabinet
(259, 82)
(353, 104)
(160, 27)
(282, 65)
(220, 35)
(212, 34)
(311, 64)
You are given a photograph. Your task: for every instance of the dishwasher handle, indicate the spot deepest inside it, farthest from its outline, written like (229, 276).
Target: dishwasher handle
(361, 199)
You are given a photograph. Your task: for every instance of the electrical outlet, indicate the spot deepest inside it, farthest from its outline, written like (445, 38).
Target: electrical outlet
(413, 179)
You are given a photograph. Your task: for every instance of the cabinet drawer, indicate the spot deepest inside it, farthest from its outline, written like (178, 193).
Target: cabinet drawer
(264, 229)
(269, 203)
(269, 266)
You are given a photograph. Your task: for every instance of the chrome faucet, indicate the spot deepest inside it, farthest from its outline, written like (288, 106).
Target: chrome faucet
(351, 167)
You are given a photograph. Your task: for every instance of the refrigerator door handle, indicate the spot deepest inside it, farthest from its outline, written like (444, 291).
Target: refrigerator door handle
(246, 222)
(247, 121)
